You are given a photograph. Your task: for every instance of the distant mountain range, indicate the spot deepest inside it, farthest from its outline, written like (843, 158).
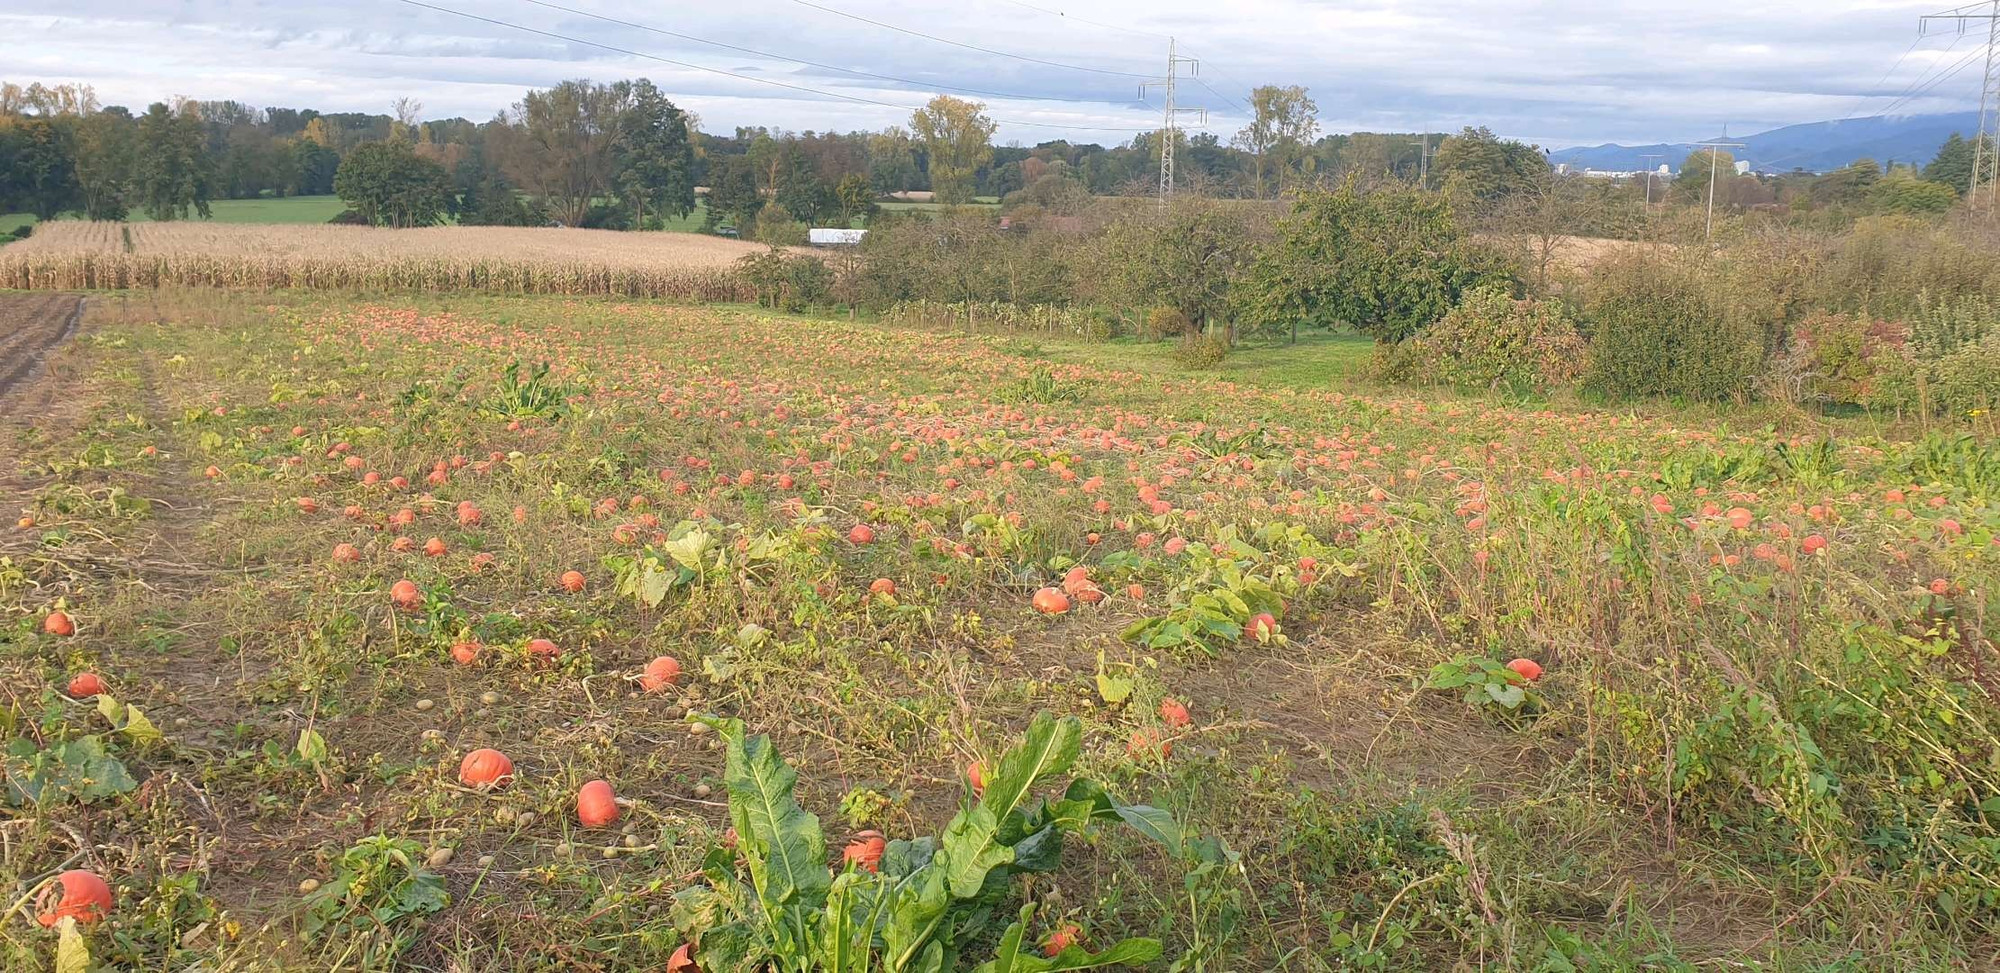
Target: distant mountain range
(1813, 146)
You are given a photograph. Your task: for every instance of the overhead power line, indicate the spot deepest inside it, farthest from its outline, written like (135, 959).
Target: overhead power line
(1071, 18)
(816, 64)
(741, 77)
(969, 47)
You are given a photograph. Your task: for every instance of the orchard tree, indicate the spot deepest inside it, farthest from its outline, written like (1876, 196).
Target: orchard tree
(1187, 261)
(1387, 263)
(390, 185)
(957, 138)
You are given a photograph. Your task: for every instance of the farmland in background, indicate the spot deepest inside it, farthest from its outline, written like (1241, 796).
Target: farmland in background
(68, 255)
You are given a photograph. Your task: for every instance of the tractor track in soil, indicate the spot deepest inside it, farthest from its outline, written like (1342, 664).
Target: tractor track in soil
(31, 326)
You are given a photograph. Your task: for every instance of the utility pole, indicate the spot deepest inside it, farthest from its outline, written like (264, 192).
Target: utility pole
(1714, 153)
(1649, 177)
(1989, 96)
(1170, 127)
(1423, 158)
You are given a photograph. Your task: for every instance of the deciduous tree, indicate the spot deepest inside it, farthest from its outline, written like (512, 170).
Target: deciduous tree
(957, 138)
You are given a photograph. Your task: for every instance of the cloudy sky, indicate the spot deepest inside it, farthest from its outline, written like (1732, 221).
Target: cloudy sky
(1556, 72)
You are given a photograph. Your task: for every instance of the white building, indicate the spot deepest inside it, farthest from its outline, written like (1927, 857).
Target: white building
(830, 237)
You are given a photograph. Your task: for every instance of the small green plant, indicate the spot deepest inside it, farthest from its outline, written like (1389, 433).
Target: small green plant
(379, 885)
(1042, 388)
(535, 395)
(1489, 686)
(780, 908)
(1200, 351)
(1814, 464)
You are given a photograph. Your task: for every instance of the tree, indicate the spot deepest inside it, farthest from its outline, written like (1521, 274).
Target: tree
(1901, 192)
(957, 138)
(1187, 261)
(1284, 122)
(104, 161)
(655, 158)
(1953, 165)
(892, 162)
(732, 193)
(1692, 184)
(1846, 186)
(1544, 212)
(313, 165)
(174, 174)
(855, 197)
(1484, 168)
(390, 185)
(1387, 263)
(561, 145)
(38, 165)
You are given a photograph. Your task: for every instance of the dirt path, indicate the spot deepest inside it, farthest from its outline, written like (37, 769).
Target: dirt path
(30, 326)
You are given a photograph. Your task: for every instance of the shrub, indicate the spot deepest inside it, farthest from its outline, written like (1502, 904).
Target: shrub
(1832, 358)
(1491, 341)
(1950, 364)
(1200, 351)
(784, 282)
(1670, 327)
(1164, 322)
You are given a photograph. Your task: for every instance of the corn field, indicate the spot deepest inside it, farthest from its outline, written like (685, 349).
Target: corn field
(515, 260)
(1050, 319)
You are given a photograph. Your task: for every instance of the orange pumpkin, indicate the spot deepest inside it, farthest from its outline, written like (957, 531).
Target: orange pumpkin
(1050, 601)
(485, 769)
(1174, 714)
(466, 653)
(975, 773)
(882, 586)
(1263, 627)
(543, 650)
(572, 581)
(1527, 669)
(596, 806)
(59, 623)
(660, 673)
(75, 894)
(86, 685)
(406, 595)
(865, 851)
(861, 534)
(434, 547)
(346, 553)
(683, 960)
(1063, 937)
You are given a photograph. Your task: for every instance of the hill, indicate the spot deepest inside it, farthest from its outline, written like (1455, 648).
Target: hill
(1814, 146)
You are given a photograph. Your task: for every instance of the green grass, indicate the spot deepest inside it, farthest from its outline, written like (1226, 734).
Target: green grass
(1318, 361)
(10, 221)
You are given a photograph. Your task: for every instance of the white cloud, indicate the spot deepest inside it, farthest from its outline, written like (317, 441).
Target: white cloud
(1557, 71)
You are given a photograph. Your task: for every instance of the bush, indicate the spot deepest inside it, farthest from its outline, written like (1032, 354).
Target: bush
(775, 227)
(1833, 358)
(1950, 364)
(1165, 322)
(784, 282)
(1674, 327)
(1200, 351)
(1492, 342)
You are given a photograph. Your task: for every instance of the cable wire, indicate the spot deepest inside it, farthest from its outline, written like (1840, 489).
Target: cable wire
(742, 77)
(969, 47)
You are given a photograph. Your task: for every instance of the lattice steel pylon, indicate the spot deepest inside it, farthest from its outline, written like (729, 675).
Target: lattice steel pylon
(1170, 128)
(1985, 166)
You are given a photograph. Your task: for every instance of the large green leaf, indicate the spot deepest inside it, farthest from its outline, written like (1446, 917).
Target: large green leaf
(1049, 748)
(781, 841)
(1011, 956)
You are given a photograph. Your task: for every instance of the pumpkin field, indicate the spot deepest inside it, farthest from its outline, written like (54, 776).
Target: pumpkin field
(436, 632)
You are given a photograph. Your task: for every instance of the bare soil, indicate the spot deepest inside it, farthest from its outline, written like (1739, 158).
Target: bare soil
(31, 325)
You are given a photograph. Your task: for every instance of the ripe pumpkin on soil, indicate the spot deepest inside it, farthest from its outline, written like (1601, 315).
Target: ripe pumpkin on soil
(85, 685)
(596, 806)
(406, 594)
(861, 534)
(466, 653)
(1174, 714)
(1051, 601)
(485, 768)
(1527, 669)
(75, 894)
(865, 851)
(59, 623)
(346, 553)
(1064, 936)
(1262, 627)
(543, 650)
(882, 586)
(660, 673)
(572, 581)
(434, 547)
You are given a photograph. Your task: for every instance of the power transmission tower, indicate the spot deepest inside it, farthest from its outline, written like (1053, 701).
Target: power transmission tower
(1423, 158)
(1989, 96)
(1170, 128)
(1649, 178)
(1714, 153)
